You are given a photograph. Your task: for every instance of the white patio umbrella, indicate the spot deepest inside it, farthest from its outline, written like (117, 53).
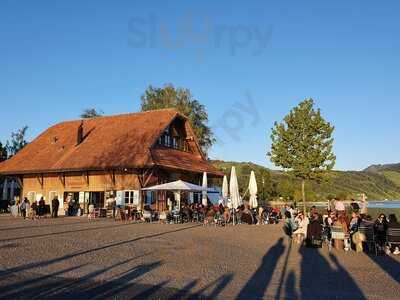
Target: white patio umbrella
(204, 198)
(253, 190)
(234, 192)
(225, 190)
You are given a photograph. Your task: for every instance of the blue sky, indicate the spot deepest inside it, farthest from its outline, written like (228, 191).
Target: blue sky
(249, 62)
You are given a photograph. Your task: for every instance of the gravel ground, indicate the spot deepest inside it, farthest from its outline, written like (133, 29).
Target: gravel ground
(102, 259)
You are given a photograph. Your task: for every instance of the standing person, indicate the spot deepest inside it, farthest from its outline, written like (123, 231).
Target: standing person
(113, 207)
(41, 208)
(380, 228)
(289, 226)
(22, 208)
(339, 207)
(314, 231)
(302, 224)
(343, 223)
(33, 210)
(54, 207)
(363, 206)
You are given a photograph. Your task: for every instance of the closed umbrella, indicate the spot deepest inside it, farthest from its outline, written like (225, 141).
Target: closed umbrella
(234, 192)
(204, 198)
(225, 190)
(253, 191)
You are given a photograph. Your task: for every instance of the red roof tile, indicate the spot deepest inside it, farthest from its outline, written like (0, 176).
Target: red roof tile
(121, 141)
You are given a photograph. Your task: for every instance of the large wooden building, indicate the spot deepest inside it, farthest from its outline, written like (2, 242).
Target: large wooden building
(114, 156)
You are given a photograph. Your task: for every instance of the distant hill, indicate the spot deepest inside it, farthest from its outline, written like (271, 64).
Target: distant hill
(377, 184)
(390, 171)
(387, 167)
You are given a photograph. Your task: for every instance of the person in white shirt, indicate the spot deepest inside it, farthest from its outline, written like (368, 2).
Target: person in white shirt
(339, 206)
(301, 232)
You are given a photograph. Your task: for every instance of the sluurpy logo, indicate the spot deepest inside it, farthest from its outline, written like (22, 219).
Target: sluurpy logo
(198, 32)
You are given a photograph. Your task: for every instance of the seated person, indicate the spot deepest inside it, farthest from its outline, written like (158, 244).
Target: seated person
(227, 214)
(393, 223)
(247, 216)
(209, 216)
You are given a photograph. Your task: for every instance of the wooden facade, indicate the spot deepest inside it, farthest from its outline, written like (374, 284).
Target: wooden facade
(112, 157)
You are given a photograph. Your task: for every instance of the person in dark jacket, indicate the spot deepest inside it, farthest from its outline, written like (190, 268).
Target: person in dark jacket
(54, 207)
(380, 229)
(41, 208)
(314, 232)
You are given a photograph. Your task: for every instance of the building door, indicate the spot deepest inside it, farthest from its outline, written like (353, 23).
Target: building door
(97, 199)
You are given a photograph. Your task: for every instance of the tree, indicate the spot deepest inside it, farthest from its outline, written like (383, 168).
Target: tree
(3, 152)
(17, 141)
(182, 100)
(91, 113)
(302, 144)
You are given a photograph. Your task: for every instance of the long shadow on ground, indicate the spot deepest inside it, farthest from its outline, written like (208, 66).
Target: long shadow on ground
(23, 283)
(65, 232)
(30, 266)
(257, 285)
(319, 280)
(52, 225)
(124, 285)
(388, 264)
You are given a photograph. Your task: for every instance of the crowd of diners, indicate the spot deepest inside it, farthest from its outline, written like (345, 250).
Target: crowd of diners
(351, 229)
(216, 214)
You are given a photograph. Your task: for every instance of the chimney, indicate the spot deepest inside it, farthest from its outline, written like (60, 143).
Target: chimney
(80, 134)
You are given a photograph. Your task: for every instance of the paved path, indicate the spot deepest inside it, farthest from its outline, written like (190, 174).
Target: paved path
(103, 259)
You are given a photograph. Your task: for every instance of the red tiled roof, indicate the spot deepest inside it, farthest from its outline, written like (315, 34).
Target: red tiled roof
(175, 159)
(111, 142)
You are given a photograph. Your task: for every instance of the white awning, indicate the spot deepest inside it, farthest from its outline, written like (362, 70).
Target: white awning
(176, 186)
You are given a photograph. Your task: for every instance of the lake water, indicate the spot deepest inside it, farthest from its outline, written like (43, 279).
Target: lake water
(377, 207)
(383, 204)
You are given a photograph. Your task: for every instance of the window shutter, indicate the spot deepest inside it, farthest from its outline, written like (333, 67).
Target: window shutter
(120, 201)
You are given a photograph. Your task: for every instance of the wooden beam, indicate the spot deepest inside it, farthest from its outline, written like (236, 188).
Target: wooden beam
(20, 181)
(146, 180)
(62, 178)
(40, 179)
(112, 177)
(86, 177)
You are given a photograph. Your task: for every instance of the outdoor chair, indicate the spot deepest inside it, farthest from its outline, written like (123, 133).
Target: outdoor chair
(326, 236)
(122, 214)
(369, 238)
(393, 236)
(196, 216)
(176, 217)
(162, 217)
(219, 220)
(147, 215)
(339, 235)
(93, 212)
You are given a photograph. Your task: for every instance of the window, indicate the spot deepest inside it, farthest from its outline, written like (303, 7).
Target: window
(172, 141)
(129, 196)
